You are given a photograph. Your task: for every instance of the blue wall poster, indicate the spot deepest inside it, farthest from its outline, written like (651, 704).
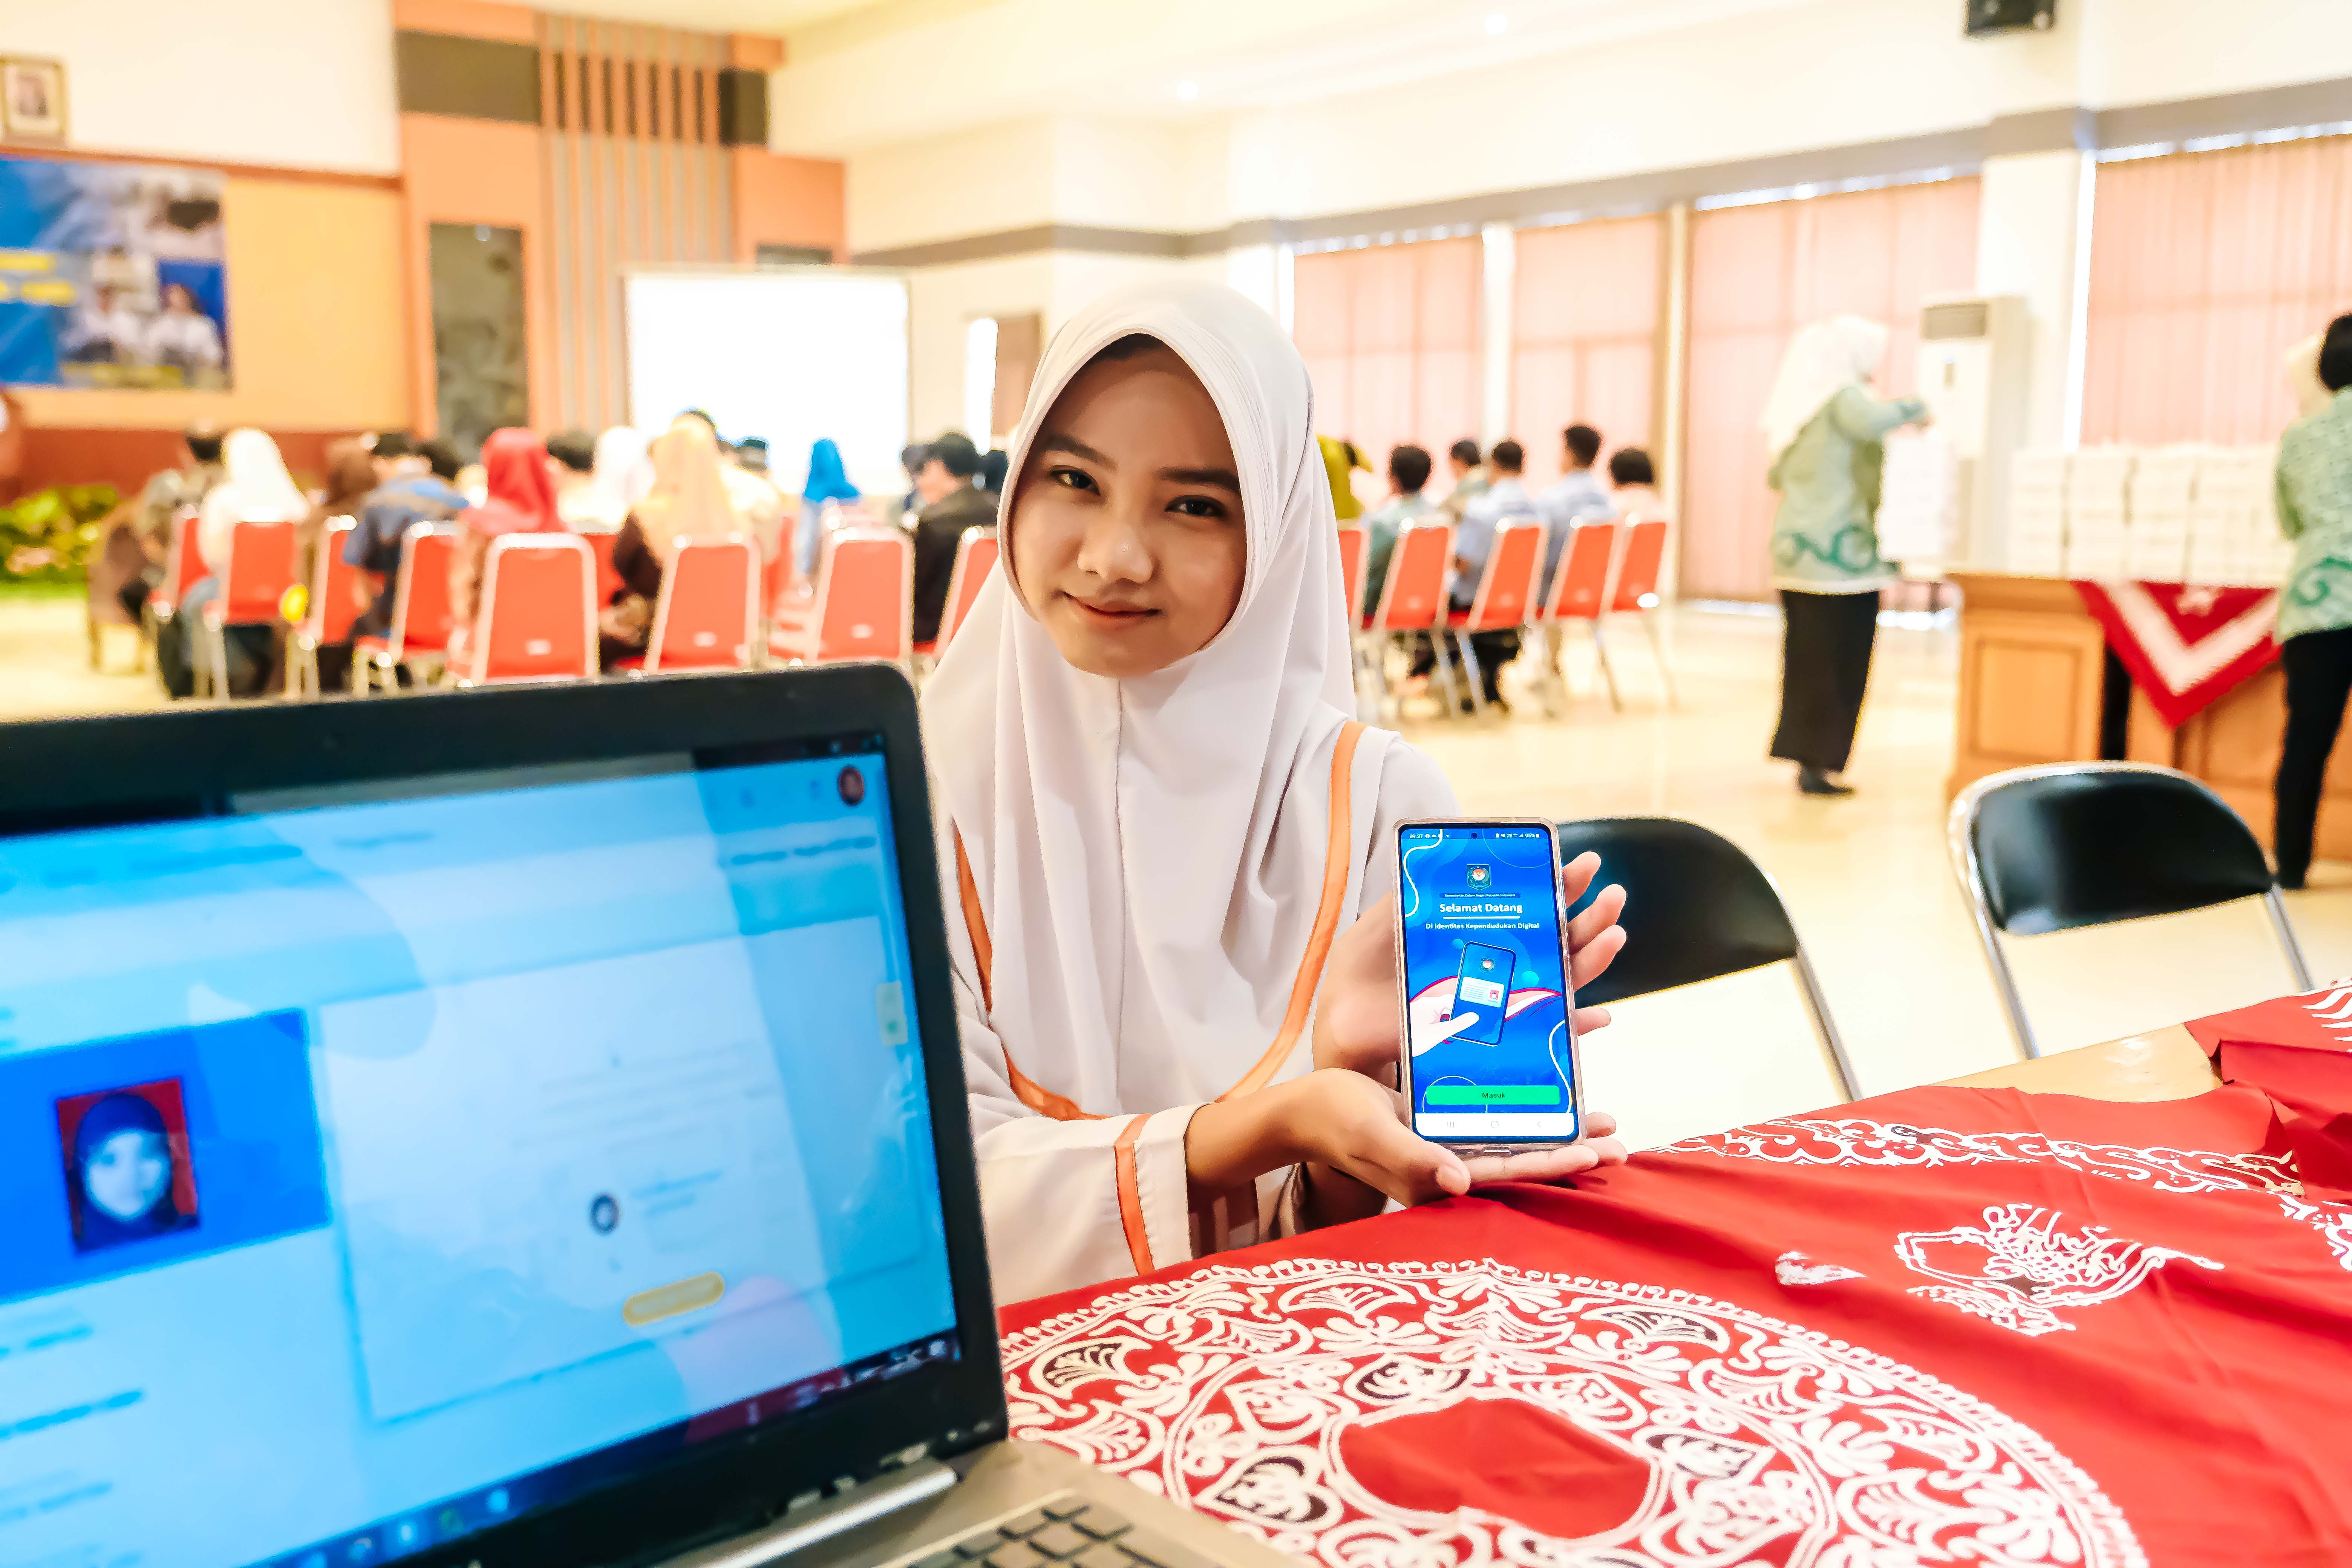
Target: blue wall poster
(111, 275)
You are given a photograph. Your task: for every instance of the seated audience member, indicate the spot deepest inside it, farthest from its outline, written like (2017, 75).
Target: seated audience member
(620, 473)
(992, 468)
(953, 501)
(1574, 497)
(1134, 748)
(520, 499)
(1633, 490)
(254, 488)
(418, 487)
(911, 458)
(1505, 500)
(757, 505)
(1471, 476)
(827, 484)
(161, 501)
(572, 465)
(350, 477)
(689, 501)
(1408, 474)
(1341, 461)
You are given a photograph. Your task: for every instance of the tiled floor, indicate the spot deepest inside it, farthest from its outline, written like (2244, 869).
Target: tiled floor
(1866, 878)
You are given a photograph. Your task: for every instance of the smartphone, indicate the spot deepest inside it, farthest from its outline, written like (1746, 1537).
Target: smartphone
(1488, 1027)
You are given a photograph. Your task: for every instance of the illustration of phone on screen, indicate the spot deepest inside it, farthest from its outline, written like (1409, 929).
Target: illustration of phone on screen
(1489, 1041)
(1483, 987)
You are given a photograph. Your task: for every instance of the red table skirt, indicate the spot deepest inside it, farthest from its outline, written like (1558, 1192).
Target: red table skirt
(2187, 647)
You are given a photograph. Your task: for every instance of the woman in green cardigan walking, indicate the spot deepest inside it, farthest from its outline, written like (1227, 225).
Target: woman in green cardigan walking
(2314, 621)
(1825, 431)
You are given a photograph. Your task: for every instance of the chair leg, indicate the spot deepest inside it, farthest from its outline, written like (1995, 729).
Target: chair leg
(1658, 652)
(1477, 673)
(220, 663)
(2293, 948)
(1608, 670)
(2027, 1047)
(1556, 694)
(1824, 1030)
(1445, 672)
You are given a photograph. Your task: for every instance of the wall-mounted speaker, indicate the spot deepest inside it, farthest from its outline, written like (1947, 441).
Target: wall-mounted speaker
(2010, 15)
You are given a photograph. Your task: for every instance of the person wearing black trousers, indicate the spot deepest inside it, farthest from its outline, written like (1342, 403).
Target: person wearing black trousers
(2315, 623)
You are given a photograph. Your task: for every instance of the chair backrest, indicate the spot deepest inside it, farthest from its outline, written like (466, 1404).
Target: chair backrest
(1580, 585)
(263, 562)
(1507, 588)
(708, 609)
(334, 597)
(975, 558)
(1355, 561)
(184, 563)
(608, 576)
(2087, 843)
(1637, 571)
(422, 620)
(538, 620)
(1697, 907)
(1413, 597)
(864, 596)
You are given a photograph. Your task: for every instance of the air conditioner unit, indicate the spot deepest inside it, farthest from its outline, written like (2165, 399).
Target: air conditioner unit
(1975, 375)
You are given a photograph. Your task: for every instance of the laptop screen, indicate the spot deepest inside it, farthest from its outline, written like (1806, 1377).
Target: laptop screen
(382, 1163)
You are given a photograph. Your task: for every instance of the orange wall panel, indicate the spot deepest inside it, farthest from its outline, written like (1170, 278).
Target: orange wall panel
(479, 172)
(787, 201)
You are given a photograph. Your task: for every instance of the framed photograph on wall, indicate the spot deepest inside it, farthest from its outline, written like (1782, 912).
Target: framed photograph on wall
(33, 100)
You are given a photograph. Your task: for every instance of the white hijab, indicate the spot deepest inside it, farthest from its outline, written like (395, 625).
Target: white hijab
(1823, 360)
(618, 478)
(1149, 854)
(2311, 394)
(255, 487)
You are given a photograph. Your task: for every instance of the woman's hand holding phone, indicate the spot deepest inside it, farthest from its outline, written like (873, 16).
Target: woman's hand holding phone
(1356, 1016)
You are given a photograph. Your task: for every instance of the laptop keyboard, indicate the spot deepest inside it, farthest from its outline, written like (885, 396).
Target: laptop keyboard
(1064, 1530)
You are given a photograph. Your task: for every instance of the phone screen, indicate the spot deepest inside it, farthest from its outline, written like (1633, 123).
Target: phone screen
(1489, 1052)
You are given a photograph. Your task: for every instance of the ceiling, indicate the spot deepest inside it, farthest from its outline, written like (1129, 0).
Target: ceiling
(715, 15)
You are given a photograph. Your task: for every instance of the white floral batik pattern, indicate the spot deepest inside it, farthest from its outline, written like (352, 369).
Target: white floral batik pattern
(2019, 1269)
(1233, 1390)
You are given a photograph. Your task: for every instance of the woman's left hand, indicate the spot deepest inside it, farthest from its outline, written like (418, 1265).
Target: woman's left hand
(1356, 1016)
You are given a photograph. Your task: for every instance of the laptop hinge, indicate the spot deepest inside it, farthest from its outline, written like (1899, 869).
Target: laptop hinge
(804, 1526)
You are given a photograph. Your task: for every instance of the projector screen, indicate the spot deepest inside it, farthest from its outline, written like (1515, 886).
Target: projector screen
(789, 354)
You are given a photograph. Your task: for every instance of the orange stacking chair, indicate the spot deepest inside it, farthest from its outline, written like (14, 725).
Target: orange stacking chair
(1507, 592)
(421, 622)
(1636, 590)
(1580, 592)
(334, 606)
(707, 614)
(1412, 599)
(863, 607)
(539, 611)
(262, 567)
(975, 558)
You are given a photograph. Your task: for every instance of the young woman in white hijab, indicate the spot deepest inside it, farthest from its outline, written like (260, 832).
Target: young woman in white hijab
(1169, 848)
(1826, 433)
(255, 487)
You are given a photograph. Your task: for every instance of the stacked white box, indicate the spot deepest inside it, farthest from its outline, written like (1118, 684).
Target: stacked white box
(2233, 526)
(2037, 512)
(2098, 512)
(1918, 499)
(2157, 499)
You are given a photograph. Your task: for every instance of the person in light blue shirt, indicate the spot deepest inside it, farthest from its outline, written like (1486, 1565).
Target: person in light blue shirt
(1408, 474)
(1576, 496)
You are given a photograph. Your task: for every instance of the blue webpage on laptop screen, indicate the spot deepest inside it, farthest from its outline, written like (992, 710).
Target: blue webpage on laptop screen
(1486, 993)
(378, 1165)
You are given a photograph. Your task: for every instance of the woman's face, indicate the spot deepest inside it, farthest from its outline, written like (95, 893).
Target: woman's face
(125, 1174)
(1127, 521)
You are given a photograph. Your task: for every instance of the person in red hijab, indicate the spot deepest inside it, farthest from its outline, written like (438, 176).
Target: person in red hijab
(521, 500)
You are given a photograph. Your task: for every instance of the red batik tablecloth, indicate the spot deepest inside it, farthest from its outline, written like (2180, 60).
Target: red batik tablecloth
(2186, 647)
(1946, 1326)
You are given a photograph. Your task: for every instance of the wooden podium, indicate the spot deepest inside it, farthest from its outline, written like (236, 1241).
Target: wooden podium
(2033, 668)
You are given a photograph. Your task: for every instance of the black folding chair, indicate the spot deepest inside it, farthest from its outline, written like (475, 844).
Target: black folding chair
(2087, 843)
(1697, 908)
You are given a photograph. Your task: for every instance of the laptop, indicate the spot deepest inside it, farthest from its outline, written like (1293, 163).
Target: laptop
(504, 1130)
